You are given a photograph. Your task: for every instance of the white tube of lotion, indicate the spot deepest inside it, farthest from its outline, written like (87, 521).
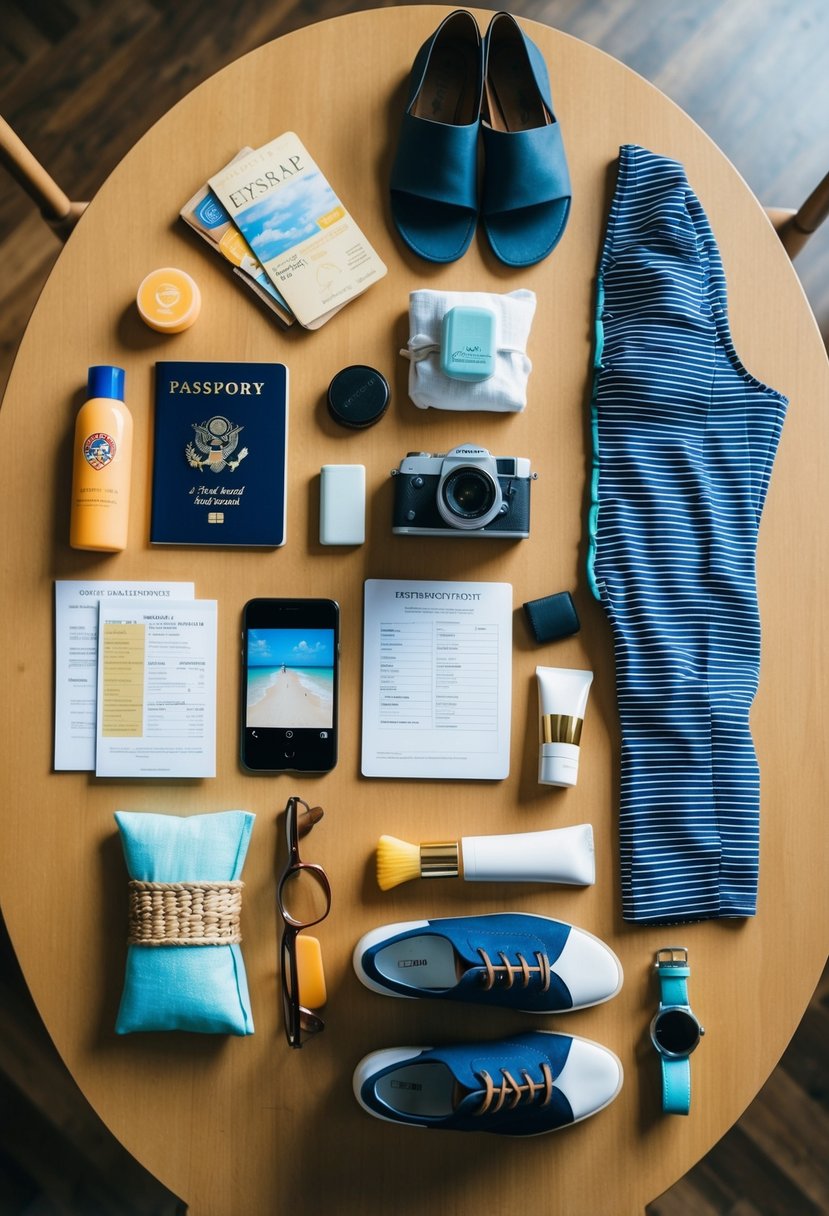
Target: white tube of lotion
(562, 855)
(562, 700)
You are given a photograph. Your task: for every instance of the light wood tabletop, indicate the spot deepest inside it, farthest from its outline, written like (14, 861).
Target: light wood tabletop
(246, 1125)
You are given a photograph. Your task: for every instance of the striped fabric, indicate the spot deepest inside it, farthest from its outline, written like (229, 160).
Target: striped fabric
(683, 443)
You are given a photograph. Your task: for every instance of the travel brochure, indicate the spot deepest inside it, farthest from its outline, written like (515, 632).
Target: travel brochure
(305, 239)
(206, 216)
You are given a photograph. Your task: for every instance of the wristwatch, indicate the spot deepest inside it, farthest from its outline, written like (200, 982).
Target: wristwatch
(675, 1030)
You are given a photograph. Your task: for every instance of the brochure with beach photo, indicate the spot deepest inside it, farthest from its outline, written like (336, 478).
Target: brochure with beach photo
(305, 239)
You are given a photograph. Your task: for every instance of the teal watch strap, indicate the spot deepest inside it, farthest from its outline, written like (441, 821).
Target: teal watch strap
(673, 984)
(676, 1085)
(673, 971)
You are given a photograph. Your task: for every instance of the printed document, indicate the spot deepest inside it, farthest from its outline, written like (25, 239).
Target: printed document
(156, 689)
(76, 659)
(437, 679)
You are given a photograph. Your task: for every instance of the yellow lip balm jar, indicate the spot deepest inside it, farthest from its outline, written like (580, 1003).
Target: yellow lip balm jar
(169, 300)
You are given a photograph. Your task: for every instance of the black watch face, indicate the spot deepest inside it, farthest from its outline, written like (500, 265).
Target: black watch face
(676, 1031)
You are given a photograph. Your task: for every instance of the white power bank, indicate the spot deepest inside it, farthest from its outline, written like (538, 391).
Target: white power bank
(342, 504)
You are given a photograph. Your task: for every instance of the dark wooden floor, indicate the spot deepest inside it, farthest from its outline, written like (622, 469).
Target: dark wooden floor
(81, 80)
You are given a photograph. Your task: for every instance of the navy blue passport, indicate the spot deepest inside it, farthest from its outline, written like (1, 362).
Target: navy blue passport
(220, 454)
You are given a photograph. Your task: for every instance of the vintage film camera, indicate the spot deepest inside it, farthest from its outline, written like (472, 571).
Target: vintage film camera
(465, 492)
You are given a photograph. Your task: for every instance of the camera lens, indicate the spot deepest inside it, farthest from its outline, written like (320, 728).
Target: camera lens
(469, 497)
(469, 493)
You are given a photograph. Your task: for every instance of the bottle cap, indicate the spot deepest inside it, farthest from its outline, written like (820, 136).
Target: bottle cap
(558, 764)
(104, 380)
(169, 300)
(358, 396)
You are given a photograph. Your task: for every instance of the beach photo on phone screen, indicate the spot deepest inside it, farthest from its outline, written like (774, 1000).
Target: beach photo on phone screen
(290, 678)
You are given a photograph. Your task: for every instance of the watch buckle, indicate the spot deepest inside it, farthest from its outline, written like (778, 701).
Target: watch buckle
(671, 955)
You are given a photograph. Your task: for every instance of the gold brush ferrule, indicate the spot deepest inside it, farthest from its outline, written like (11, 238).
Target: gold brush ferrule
(561, 728)
(439, 859)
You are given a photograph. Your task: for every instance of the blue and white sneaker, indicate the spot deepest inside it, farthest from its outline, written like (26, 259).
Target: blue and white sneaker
(523, 1086)
(510, 959)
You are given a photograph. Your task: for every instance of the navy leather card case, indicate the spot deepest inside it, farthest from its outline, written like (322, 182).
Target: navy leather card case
(552, 617)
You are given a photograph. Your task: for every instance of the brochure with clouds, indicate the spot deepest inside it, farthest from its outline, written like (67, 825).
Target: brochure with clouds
(306, 241)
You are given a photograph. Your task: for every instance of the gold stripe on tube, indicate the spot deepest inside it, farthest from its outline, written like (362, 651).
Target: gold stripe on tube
(560, 728)
(439, 860)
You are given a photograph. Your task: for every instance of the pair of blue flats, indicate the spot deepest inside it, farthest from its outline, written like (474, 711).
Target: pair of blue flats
(461, 85)
(525, 1085)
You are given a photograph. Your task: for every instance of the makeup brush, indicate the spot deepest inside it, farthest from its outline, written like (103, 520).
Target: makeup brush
(562, 855)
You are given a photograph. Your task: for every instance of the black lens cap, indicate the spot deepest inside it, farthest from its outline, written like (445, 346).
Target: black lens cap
(358, 396)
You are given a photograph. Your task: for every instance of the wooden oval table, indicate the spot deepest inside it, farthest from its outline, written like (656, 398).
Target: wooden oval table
(246, 1125)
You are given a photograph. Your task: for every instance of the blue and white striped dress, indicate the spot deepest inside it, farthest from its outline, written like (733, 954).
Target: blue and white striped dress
(683, 444)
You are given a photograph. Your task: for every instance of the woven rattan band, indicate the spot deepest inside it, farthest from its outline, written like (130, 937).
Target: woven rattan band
(184, 913)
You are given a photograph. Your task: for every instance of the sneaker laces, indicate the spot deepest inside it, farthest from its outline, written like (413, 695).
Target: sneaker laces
(494, 970)
(514, 1090)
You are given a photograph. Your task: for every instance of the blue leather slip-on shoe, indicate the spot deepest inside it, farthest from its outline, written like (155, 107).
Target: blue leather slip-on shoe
(434, 193)
(526, 192)
(510, 959)
(522, 1086)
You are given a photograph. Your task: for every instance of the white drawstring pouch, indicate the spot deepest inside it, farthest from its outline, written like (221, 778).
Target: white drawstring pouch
(506, 390)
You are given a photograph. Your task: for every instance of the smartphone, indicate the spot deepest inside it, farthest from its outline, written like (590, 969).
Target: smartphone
(290, 677)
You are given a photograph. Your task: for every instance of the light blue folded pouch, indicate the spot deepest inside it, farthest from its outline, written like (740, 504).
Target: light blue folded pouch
(185, 986)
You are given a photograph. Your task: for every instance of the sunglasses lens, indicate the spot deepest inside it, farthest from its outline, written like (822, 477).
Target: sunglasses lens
(302, 966)
(290, 1001)
(304, 896)
(310, 1022)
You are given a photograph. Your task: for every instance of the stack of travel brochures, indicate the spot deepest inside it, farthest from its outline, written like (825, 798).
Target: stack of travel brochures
(304, 238)
(206, 216)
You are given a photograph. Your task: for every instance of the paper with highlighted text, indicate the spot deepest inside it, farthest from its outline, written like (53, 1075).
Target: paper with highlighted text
(437, 679)
(156, 689)
(306, 241)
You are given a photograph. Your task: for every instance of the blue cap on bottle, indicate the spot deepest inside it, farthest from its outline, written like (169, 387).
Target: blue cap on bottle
(106, 381)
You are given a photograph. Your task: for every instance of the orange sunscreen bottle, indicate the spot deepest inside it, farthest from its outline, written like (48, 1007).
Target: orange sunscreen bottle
(101, 465)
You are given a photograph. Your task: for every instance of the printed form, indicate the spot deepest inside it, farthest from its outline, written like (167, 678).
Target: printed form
(437, 679)
(157, 690)
(76, 659)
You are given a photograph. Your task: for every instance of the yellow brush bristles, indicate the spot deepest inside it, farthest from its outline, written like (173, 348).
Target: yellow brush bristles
(397, 862)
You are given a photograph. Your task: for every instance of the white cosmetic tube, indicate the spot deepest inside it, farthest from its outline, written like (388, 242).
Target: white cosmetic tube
(562, 855)
(562, 700)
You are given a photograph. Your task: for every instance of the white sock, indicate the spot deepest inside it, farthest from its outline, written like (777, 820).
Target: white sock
(506, 390)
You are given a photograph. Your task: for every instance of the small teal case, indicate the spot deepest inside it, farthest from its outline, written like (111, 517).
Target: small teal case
(467, 343)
